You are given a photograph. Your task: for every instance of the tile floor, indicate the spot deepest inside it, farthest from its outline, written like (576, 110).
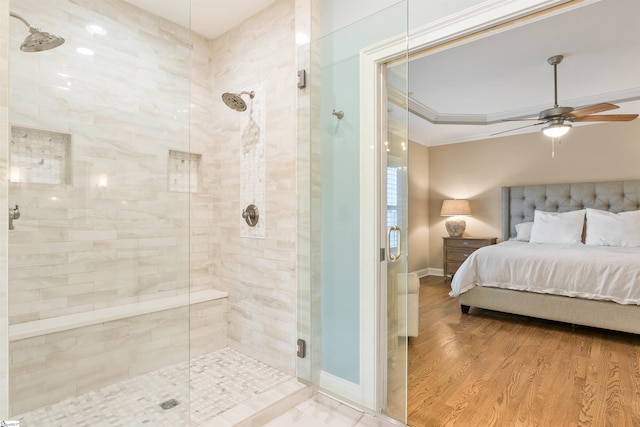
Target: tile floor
(220, 381)
(321, 411)
(226, 388)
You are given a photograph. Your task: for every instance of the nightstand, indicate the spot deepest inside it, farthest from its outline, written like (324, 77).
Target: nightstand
(457, 249)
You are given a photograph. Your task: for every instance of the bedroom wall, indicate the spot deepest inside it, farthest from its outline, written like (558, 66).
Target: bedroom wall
(477, 170)
(418, 233)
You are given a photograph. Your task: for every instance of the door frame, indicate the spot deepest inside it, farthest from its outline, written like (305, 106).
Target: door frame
(469, 22)
(373, 103)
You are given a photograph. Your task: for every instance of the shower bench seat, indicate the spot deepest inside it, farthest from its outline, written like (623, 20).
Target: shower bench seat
(63, 323)
(79, 353)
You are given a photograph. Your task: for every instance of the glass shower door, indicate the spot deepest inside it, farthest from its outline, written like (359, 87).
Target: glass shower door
(342, 287)
(100, 177)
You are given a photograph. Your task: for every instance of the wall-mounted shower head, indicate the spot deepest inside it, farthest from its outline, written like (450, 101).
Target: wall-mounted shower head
(37, 40)
(235, 101)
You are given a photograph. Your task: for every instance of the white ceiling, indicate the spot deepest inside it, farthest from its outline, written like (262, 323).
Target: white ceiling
(210, 18)
(506, 75)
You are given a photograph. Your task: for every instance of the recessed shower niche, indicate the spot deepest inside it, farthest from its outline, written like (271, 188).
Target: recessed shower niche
(40, 156)
(183, 171)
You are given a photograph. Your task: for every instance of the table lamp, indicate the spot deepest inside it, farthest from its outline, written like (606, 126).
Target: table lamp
(455, 208)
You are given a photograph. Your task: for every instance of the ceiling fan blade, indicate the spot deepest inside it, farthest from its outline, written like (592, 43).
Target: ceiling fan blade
(607, 118)
(514, 129)
(592, 109)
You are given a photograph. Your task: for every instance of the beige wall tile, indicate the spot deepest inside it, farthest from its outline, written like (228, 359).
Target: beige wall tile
(259, 274)
(133, 234)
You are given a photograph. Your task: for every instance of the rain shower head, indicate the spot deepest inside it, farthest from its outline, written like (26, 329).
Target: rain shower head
(37, 40)
(235, 101)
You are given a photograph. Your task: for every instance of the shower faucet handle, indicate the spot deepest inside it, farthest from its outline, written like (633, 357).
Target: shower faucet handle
(14, 213)
(251, 215)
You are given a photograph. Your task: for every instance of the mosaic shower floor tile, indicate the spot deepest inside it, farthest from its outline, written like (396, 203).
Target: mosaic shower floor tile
(218, 382)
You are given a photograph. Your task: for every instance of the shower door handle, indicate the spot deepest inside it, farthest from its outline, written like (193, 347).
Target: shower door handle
(396, 229)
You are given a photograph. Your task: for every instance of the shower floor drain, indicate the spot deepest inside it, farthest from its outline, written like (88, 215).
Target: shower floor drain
(169, 404)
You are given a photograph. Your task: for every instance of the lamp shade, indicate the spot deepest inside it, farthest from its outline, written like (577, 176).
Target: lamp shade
(455, 207)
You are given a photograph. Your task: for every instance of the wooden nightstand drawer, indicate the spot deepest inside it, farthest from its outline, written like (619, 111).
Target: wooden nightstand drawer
(459, 254)
(467, 243)
(458, 249)
(453, 266)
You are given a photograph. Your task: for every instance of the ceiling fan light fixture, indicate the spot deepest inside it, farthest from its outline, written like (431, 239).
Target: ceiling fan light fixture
(556, 130)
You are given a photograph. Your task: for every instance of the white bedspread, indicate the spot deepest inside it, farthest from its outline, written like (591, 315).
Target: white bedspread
(594, 272)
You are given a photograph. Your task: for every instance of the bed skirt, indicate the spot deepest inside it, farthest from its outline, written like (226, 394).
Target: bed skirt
(599, 314)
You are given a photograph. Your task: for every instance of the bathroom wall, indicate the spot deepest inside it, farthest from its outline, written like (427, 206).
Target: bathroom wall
(259, 273)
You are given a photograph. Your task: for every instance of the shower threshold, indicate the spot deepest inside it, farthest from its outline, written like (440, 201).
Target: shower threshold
(221, 388)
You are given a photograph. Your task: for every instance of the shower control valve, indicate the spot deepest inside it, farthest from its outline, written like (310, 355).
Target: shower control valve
(14, 213)
(251, 215)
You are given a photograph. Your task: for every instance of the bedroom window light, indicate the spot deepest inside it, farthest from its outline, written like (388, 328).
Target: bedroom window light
(456, 209)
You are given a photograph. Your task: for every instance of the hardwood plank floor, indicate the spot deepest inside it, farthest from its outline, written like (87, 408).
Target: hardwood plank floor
(494, 369)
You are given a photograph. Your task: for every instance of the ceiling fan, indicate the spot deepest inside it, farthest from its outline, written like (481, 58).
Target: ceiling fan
(558, 119)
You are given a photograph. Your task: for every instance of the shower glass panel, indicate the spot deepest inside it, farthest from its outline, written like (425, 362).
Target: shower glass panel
(101, 171)
(344, 353)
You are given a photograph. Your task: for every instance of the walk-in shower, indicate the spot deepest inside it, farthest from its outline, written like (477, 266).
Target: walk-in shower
(131, 298)
(37, 40)
(235, 101)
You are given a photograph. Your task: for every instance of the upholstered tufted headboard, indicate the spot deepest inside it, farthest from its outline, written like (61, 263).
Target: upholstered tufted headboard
(520, 202)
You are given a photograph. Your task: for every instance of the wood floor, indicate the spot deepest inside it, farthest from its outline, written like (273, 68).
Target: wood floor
(492, 369)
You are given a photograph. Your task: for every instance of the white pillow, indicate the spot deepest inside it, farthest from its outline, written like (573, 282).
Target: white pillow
(523, 231)
(610, 229)
(555, 227)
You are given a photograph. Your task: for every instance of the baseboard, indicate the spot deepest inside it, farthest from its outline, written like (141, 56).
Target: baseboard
(422, 272)
(436, 271)
(429, 272)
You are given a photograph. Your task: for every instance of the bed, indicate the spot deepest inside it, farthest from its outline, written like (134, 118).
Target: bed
(613, 266)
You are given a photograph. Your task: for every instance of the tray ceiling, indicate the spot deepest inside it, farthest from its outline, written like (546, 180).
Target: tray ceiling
(465, 91)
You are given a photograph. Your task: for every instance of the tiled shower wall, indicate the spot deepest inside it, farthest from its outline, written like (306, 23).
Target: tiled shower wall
(258, 273)
(82, 246)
